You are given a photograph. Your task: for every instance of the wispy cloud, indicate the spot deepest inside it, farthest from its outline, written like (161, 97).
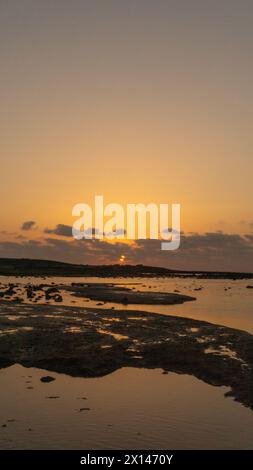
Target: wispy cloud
(28, 225)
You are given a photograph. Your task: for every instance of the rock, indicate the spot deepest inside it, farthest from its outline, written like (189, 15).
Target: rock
(124, 295)
(8, 292)
(29, 292)
(249, 287)
(51, 290)
(47, 379)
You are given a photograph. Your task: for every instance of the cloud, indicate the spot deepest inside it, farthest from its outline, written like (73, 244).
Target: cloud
(28, 225)
(91, 231)
(212, 251)
(115, 233)
(61, 230)
(246, 223)
(66, 231)
(20, 237)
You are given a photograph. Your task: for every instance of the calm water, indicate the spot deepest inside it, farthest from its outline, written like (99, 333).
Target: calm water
(232, 307)
(132, 408)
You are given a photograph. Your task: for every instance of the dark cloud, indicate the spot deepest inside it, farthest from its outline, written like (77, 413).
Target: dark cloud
(28, 225)
(92, 231)
(210, 251)
(66, 231)
(20, 237)
(61, 230)
(117, 232)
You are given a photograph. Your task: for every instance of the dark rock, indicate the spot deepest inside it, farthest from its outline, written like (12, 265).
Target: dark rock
(52, 290)
(47, 379)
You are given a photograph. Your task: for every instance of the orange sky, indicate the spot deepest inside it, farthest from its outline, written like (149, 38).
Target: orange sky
(139, 101)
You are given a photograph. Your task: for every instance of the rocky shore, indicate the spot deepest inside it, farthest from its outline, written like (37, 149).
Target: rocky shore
(92, 342)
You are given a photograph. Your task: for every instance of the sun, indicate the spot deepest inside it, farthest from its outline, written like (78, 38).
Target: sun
(122, 259)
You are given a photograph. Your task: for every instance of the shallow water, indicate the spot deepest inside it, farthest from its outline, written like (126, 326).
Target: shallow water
(232, 307)
(131, 408)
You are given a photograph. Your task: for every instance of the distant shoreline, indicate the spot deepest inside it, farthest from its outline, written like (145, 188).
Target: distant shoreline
(41, 268)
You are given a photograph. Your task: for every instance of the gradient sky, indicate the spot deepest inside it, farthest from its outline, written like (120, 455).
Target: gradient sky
(141, 101)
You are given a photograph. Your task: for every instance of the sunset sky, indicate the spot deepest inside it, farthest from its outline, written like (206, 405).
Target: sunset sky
(140, 101)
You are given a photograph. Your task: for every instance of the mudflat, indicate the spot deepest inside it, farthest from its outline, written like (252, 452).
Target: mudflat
(92, 342)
